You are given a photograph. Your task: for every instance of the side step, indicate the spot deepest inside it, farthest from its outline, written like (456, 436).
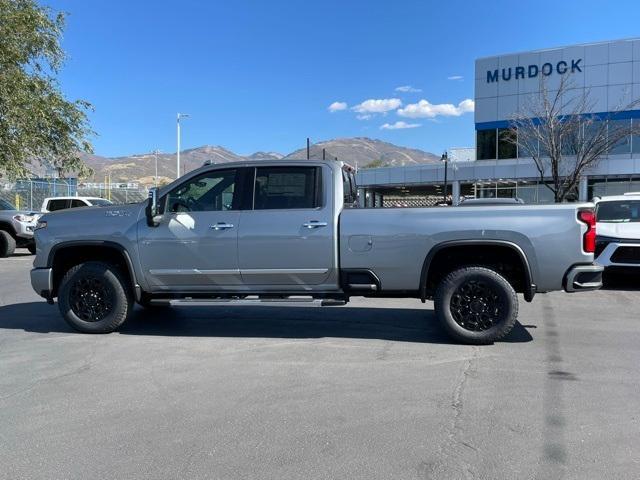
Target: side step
(248, 302)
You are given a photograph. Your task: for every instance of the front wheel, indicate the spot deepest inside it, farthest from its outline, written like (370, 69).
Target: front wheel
(94, 298)
(476, 305)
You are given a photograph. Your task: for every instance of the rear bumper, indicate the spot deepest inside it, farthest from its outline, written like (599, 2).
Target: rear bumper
(583, 278)
(42, 281)
(620, 254)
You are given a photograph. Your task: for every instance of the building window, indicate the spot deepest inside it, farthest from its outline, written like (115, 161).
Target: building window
(507, 147)
(624, 144)
(486, 144)
(635, 139)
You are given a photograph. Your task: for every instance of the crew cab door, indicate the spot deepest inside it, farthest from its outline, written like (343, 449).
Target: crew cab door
(287, 233)
(195, 244)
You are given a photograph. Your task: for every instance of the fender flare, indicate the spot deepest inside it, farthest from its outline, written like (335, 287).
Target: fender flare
(99, 243)
(529, 286)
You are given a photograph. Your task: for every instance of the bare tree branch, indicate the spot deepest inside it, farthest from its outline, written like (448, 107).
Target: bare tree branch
(563, 137)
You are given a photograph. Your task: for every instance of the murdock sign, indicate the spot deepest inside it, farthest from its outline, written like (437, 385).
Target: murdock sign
(531, 71)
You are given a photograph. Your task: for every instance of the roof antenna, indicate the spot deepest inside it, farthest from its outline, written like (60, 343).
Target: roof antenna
(323, 154)
(307, 148)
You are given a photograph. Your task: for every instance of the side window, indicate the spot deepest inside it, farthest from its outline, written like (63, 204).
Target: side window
(58, 204)
(210, 192)
(286, 188)
(350, 189)
(77, 203)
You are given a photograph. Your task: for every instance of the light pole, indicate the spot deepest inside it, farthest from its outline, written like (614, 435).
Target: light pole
(155, 154)
(178, 117)
(445, 159)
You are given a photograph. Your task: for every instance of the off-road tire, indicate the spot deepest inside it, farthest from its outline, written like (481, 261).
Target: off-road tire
(502, 309)
(90, 277)
(7, 244)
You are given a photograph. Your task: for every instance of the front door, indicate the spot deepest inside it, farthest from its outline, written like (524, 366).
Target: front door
(195, 244)
(286, 236)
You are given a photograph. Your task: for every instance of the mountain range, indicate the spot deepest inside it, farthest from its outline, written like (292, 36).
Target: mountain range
(360, 151)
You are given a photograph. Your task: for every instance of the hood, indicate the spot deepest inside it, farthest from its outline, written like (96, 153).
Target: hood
(630, 230)
(99, 214)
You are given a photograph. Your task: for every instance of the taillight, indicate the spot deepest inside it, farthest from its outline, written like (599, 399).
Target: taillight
(589, 239)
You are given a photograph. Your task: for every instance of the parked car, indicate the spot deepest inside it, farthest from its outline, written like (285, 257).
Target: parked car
(16, 229)
(52, 204)
(290, 233)
(618, 227)
(467, 202)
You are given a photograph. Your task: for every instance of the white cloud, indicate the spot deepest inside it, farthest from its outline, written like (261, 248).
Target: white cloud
(455, 77)
(378, 106)
(407, 89)
(424, 109)
(337, 106)
(399, 125)
(365, 116)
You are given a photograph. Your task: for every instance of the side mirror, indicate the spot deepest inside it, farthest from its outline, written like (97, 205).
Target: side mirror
(152, 211)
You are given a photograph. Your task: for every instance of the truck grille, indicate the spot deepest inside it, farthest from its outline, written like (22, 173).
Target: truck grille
(626, 255)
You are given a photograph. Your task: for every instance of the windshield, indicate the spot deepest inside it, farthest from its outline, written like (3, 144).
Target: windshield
(100, 202)
(622, 211)
(4, 205)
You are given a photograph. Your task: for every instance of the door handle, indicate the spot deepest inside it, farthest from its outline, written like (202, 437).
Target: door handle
(314, 224)
(221, 226)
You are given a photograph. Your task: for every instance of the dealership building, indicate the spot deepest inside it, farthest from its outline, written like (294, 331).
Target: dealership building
(607, 72)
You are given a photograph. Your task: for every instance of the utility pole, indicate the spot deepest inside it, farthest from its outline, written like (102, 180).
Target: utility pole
(155, 154)
(178, 117)
(445, 159)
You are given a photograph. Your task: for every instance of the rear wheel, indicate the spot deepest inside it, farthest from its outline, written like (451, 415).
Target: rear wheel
(476, 305)
(32, 248)
(7, 244)
(94, 298)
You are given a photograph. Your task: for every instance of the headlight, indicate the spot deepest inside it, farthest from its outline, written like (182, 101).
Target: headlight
(41, 224)
(25, 218)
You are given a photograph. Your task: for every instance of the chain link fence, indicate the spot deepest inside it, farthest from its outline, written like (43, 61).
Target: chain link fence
(30, 194)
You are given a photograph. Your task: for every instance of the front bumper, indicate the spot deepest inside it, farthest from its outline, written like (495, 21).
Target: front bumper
(42, 281)
(583, 278)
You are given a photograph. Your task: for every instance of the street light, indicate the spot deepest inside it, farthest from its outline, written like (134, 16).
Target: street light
(178, 117)
(155, 154)
(445, 159)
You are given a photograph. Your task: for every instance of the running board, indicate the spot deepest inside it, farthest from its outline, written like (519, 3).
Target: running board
(248, 302)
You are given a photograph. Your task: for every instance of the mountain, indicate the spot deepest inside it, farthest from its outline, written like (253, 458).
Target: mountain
(365, 152)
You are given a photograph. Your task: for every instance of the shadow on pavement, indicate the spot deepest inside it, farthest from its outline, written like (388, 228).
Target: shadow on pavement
(622, 279)
(397, 324)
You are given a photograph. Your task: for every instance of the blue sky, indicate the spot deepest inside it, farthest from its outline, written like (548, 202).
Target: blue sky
(260, 75)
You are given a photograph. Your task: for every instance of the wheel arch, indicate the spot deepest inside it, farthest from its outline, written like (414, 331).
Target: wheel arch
(467, 251)
(68, 254)
(8, 227)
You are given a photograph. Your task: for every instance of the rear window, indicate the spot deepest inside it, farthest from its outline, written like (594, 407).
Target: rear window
(100, 202)
(57, 204)
(622, 211)
(286, 188)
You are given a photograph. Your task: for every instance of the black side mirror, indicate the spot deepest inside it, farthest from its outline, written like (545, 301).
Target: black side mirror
(152, 211)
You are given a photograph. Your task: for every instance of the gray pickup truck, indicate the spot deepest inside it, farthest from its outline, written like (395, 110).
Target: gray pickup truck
(291, 232)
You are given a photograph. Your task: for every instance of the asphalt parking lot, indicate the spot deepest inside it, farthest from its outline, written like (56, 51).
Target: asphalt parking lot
(372, 390)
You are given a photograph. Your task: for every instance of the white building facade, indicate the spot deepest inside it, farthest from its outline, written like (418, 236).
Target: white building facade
(607, 72)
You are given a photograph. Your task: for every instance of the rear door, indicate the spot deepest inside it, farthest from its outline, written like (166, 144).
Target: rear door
(286, 236)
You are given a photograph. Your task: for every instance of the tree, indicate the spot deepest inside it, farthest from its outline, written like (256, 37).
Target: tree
(37, 124)
(563, 136)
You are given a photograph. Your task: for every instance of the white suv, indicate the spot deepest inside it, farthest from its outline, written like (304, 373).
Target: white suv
(618, 230)
(52, 204)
